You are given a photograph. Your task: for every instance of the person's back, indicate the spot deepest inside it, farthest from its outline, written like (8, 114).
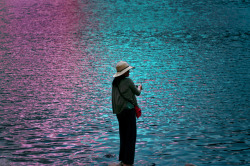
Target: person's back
(128, 89)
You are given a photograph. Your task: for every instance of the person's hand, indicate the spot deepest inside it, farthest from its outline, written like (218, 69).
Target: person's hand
(140, 87)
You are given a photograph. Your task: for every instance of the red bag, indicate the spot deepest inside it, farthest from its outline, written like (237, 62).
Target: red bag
(137, 111)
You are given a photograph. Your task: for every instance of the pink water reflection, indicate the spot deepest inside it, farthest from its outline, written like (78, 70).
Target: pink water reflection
(44, 67)
(42, 57)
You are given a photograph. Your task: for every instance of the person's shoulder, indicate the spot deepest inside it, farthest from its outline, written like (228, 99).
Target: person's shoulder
(128, 80)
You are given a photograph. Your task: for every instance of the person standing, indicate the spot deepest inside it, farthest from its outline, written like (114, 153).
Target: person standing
(124, 94)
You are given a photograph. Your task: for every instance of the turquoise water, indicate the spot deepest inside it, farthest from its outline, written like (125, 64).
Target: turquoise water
(56, 66)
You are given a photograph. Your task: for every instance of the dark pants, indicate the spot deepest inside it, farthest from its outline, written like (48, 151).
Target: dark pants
(127, 131)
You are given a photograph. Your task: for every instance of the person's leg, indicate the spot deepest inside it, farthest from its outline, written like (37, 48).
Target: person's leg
(122, 132)
(130, 138)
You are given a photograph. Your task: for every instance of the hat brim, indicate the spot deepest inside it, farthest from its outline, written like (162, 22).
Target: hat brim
(123, 71)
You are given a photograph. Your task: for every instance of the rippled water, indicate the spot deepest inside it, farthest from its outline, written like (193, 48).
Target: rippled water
(57, 59)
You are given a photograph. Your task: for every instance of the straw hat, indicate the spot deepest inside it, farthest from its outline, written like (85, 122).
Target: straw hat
(121, 68)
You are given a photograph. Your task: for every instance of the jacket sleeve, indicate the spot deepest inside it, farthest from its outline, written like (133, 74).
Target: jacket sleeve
(133, 88)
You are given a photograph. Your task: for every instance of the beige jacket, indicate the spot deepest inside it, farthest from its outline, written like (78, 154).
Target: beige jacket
(128, 90)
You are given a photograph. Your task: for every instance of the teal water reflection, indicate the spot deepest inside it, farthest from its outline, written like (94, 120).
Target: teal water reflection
(56, 67)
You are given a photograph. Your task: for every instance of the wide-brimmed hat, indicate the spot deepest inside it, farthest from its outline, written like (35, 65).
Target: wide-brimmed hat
(121, 68)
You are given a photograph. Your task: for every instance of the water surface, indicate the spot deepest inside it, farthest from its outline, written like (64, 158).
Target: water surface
(56, 66)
